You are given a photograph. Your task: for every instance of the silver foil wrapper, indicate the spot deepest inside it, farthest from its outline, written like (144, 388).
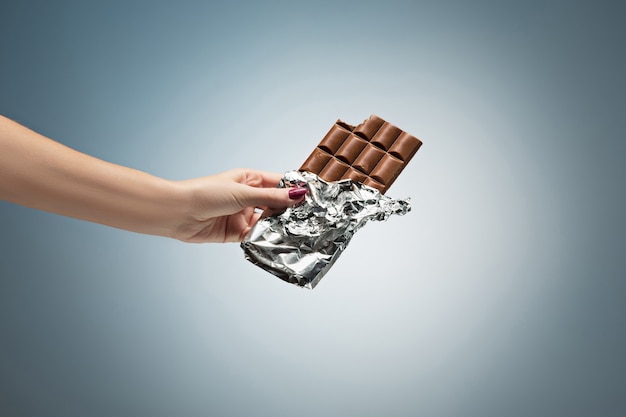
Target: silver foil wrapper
(300, 244)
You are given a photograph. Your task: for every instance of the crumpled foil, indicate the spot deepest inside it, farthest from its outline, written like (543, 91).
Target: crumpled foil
(300, 244)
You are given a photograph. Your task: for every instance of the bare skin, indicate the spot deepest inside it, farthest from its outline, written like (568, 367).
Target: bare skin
(40, 173)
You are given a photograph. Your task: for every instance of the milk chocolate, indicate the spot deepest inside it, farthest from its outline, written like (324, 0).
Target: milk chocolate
(373, 153)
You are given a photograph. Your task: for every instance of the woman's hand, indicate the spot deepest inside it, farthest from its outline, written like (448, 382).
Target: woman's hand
(43, 174)
(224, 206)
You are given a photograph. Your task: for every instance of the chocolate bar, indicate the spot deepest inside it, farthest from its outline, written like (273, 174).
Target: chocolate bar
(373, 153)
(302, 243)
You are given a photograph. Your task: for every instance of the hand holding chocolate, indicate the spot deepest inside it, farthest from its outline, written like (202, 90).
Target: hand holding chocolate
(347, 175)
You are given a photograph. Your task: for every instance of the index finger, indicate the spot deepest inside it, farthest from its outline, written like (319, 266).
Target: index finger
(261, 178)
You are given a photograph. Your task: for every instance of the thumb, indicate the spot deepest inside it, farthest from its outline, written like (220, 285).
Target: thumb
(275, 197)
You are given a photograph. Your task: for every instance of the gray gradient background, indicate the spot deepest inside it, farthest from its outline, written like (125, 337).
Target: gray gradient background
(501, 294)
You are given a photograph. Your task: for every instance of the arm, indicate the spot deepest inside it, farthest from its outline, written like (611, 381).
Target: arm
(40, 173)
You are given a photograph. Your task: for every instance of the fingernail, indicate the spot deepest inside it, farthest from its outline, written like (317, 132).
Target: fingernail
(296, 193)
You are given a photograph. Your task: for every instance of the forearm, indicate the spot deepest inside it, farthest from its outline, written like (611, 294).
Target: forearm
(46, 175)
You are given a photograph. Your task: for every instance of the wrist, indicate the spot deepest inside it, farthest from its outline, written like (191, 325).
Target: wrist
(173, 213)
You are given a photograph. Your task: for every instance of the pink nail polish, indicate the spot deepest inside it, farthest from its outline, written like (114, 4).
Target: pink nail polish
(296, 193)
